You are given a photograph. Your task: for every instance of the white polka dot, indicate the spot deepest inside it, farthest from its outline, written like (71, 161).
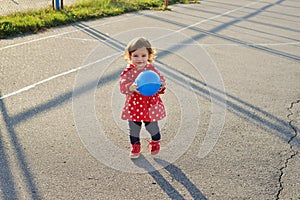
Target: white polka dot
(141, 105)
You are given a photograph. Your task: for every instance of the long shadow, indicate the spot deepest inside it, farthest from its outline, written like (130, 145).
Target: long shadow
(31, 186)
(264, 9)
(94, 33)
(247, 111)
(175, 173)
(7, 185)
(283, 127)
(62, 99)
(242, 27)
(250, 113)
(204, 91)
(10, 121)
(214, 32)
(178, 175)
(235, 5)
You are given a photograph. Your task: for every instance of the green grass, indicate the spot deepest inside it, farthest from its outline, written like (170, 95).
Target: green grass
(35, 21)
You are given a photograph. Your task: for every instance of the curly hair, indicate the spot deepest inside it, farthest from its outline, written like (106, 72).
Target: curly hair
(139, 43)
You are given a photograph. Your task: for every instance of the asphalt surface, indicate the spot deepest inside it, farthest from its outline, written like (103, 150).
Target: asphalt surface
(233, 103)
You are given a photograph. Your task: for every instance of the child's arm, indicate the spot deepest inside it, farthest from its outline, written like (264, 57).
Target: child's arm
(127, 85)
(124, 85)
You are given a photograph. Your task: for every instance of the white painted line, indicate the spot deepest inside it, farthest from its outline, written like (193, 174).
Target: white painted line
(211, 18)
(102, 59)
(234, 44)
(68, 32)
(56, 76)
(81, 39)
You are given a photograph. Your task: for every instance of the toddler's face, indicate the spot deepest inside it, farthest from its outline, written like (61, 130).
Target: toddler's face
(140, 57)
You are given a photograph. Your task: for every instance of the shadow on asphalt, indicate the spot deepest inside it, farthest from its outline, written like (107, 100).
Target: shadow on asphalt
(214, 32)
(250, 113)
(243, 109)
(175, 173)
(8, 186)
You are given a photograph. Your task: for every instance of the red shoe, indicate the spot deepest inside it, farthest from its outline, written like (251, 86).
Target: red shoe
(135, 150)
(154, 147)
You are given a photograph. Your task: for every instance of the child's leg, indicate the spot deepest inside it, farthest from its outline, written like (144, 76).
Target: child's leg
(153, 129)
(134, 131)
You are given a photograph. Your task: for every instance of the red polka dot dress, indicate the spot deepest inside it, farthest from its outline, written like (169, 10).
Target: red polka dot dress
(137, 106)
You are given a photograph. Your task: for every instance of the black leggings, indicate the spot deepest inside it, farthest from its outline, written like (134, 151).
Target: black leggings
(135, 129)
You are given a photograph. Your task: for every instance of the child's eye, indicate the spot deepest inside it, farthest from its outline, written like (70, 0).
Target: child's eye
(144, 55)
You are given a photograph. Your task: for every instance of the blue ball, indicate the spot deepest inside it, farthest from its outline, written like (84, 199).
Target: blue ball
(148, 83)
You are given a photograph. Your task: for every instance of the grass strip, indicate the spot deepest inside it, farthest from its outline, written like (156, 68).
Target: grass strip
(38, 20)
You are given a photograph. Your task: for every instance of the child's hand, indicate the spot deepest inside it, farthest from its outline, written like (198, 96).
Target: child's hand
(162, 87)
(133, 88)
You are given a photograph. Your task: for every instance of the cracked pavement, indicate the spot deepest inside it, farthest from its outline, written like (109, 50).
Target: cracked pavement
(290, 176)
(255, 47)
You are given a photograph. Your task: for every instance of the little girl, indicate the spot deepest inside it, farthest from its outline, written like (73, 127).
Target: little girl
(139, 108)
